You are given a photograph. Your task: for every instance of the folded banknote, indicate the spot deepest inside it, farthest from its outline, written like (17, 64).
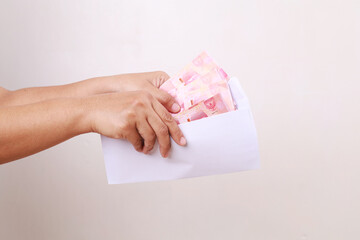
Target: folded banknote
(201, 89)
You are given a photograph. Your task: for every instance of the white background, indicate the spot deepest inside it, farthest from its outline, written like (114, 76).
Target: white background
(298, 62)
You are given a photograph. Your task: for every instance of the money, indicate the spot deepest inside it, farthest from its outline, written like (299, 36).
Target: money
(201, 65)
(209, 107)
(199, 86)
(204, 87)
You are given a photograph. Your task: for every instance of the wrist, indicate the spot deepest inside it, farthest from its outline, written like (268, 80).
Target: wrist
(88, 87)
(100, 85)
(81, 114)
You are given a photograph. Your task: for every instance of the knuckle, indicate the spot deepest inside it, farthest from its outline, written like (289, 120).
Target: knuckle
(120, 132)
(124, 127)
(130, 114)
(145, 95)
(166, 97)
(148, 145)
(162, 76)
(167, 117)
(118, 135)
(139, 102)
(151, 139)
(163, 130)
(138, 144)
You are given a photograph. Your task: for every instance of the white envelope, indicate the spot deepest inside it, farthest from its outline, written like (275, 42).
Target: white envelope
(219, 144)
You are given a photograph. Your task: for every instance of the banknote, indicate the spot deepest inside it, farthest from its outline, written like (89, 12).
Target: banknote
(197, 86)
(204, 87)
(201, 65)
(209, 107)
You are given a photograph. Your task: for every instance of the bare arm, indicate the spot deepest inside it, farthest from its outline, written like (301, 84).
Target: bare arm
(135, 116)
(37, 94)
(128, 106)
(27, 129)
(149, 81)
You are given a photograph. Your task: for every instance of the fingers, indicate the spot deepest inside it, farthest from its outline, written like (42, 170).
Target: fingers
(161, 132)
(150, 120)
(148, 134)
(136, 140)
(159, 78)
(169, 121)
(165, 99)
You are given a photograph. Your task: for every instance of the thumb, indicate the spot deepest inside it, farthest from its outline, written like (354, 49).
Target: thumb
(166, 100)
(158, 78)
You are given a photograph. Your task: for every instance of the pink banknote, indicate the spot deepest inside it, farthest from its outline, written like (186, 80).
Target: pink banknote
(209, 107)
(200, 66)
(199, 85)
(204, 87)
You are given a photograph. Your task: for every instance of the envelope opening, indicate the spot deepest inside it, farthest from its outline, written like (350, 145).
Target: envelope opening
(219, 144)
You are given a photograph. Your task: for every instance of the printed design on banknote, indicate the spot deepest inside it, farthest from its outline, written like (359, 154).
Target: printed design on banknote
(201, 89)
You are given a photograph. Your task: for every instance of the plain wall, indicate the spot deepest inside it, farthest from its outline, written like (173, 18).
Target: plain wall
(298, 62)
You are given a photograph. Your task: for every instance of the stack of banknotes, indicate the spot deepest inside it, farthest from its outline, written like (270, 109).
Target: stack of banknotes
(201, 89)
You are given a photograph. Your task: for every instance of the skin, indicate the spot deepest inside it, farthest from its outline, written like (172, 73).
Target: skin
(127, 106)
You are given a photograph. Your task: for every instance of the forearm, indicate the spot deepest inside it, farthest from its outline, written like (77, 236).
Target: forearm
(28, 129)
(37, 94)
(99, 85)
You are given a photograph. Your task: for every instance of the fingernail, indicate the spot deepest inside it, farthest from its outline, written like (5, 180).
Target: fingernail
(166, 155)
(175, 107)
(182, 141)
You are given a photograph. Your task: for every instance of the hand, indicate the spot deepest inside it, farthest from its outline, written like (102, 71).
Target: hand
(135, 116)
(149, 81)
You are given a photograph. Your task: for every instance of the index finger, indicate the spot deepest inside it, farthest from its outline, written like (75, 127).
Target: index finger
(166, 117)
(165, 99)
